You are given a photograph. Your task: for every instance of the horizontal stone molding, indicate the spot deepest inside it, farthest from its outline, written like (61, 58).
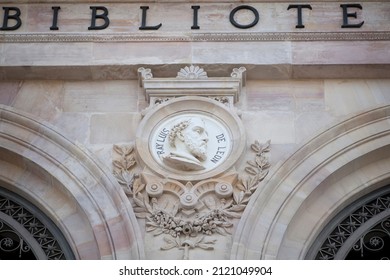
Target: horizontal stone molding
(194, 37)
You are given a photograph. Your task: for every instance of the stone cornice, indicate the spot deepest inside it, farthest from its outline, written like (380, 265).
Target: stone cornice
(193, 81)
(194, 37)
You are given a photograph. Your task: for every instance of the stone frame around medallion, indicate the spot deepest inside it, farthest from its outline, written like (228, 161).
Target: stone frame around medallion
(191, 105)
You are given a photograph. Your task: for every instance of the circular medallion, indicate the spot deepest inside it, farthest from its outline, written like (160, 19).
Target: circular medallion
(190, 142)
(190, 138)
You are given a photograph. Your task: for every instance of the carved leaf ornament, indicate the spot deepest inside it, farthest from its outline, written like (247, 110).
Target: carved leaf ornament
(181, 195)
(187, 213)
(192, 72)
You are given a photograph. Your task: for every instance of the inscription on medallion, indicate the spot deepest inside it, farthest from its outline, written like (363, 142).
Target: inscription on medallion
(160, 141)
(191, 142)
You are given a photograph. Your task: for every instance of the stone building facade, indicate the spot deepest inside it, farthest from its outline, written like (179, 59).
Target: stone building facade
(194, 129)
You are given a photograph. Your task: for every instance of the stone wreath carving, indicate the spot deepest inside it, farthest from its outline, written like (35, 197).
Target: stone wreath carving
(189, 214)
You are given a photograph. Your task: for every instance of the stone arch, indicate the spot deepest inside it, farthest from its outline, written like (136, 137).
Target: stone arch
(303, 194)
(70, 186)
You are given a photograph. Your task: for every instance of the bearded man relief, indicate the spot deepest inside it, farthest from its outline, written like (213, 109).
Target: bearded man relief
(188, 142)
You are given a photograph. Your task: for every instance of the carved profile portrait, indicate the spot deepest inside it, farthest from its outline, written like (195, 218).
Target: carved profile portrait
(188, 144)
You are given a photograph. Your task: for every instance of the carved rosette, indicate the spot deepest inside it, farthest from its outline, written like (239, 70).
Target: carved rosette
(192, 72)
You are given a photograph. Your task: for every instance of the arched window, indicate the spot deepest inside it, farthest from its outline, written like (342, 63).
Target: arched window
(26, 233)
(361, 231)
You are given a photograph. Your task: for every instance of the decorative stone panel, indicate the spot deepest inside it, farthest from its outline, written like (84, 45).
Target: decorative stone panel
(181, 175)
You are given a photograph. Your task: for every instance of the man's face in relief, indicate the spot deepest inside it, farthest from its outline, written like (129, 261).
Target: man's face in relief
(196, 138)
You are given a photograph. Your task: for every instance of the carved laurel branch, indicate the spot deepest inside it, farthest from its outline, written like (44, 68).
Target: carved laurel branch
(258, 169)
(123, 166)
(163, 217)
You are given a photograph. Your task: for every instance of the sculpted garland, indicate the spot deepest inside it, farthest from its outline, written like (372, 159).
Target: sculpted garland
(189, 214)
(181, 177)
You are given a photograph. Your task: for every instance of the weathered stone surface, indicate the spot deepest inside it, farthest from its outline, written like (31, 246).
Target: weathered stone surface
(113, 127)
(320, 94)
